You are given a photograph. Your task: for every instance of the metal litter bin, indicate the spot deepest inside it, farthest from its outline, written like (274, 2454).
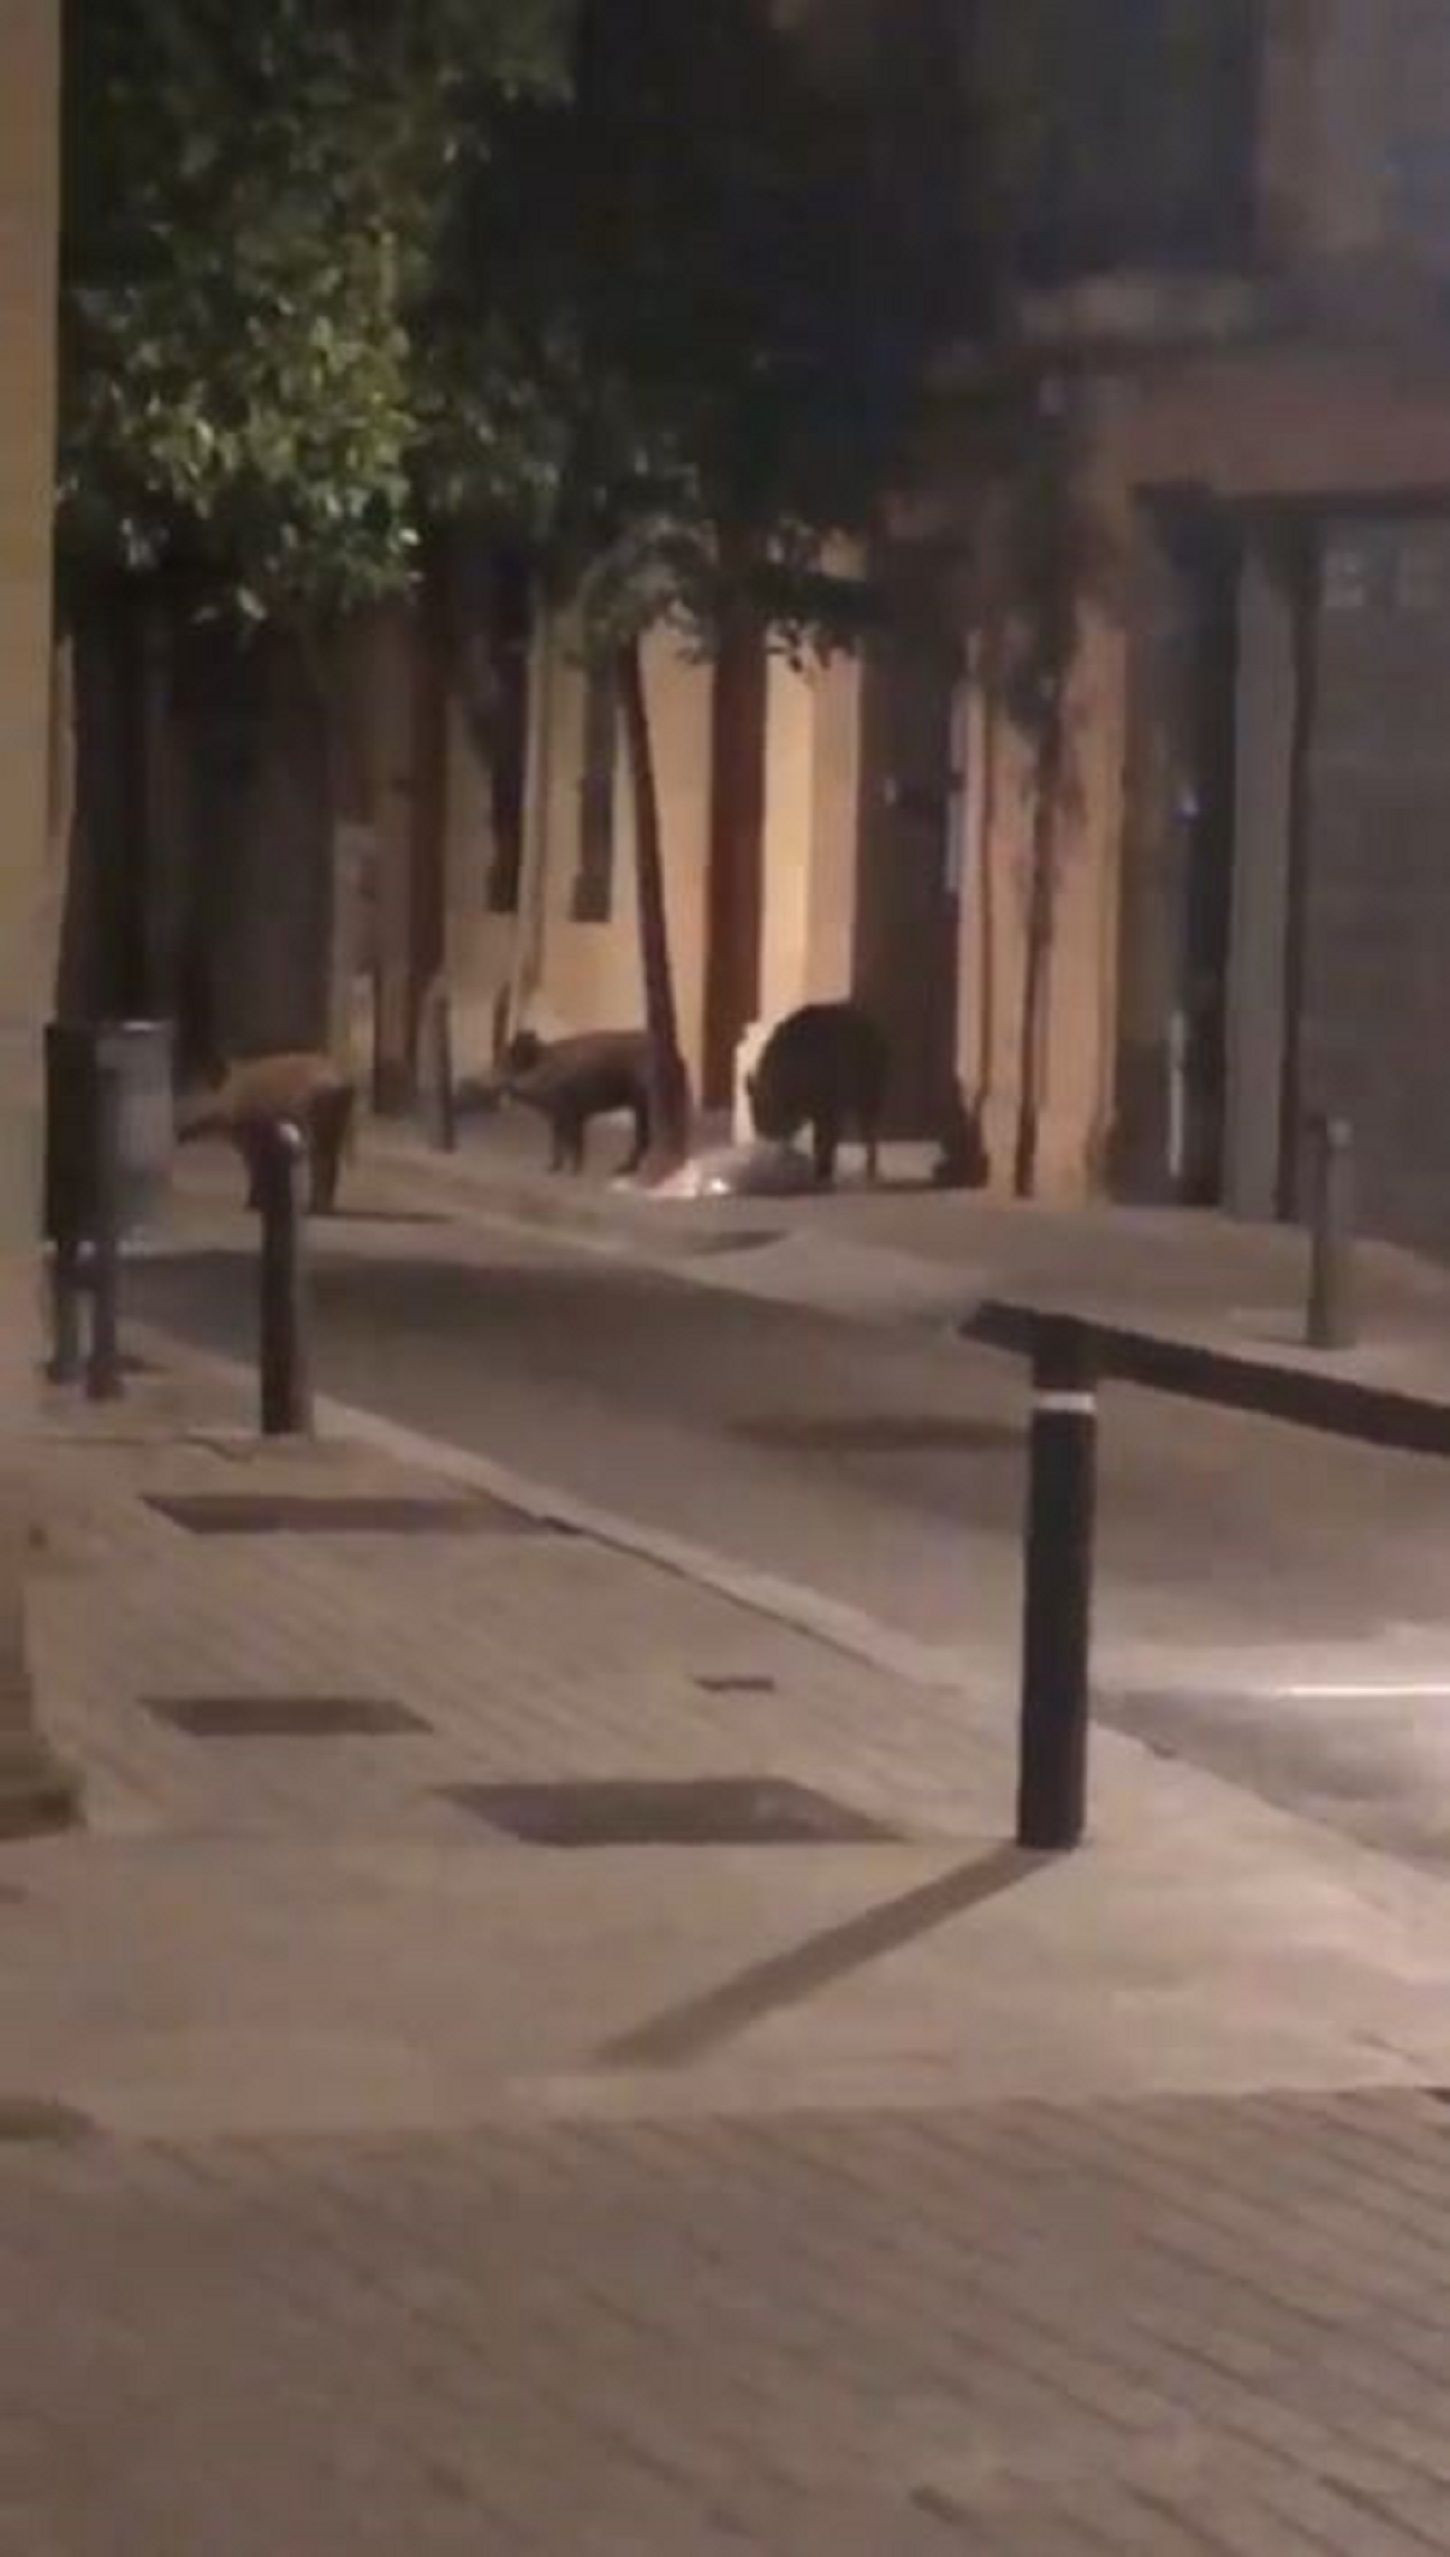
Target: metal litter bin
(139, 1055)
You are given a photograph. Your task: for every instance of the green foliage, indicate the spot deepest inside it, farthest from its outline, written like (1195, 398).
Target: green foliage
(709, 292)
(255, 201)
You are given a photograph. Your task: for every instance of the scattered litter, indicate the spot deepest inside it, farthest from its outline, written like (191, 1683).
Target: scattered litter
(741, 1172)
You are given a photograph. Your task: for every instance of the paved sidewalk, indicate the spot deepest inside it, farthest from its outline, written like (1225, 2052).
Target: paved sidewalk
(371, 2180)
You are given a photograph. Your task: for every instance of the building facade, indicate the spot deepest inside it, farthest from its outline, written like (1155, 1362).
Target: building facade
(1269, 798)
(1236, 912)
(33, 1790)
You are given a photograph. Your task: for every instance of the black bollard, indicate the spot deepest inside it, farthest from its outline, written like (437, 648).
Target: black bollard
(1331, 1319)
(66, 1285)
(103, 1371)
(285, 1366)
(1052, 1781)
(438, 1089)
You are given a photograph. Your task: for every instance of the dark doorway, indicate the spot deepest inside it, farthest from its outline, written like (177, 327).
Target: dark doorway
(907, 953)
(737, 820)
(1178, 856)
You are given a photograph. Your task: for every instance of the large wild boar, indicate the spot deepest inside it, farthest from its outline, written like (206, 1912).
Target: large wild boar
(825, 1068)
(259, 1093)
(571, 1081)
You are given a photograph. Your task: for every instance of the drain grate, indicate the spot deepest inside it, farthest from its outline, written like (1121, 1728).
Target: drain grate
(718, 1811)
(28, 2120)
(344, 1514)
(729, 1685)
(285, 1717)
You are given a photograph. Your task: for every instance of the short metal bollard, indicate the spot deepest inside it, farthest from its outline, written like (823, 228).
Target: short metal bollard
(284, 1350)
(67, 1286)
(103, 1369)
(1062, 1502)
(1331, 1315)
(438, 1086)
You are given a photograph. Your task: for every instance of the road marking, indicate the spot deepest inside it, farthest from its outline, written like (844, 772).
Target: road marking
(1082, 1406)
(1361, 1689)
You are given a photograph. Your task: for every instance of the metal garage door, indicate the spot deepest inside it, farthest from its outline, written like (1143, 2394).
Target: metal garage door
(1374, 921)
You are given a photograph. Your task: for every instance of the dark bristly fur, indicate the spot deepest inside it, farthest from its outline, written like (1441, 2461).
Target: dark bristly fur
(825, 1068)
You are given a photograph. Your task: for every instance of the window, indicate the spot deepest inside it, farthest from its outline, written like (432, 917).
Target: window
(593, 900)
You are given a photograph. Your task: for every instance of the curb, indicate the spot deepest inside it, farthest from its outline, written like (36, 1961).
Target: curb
(521, 1200)
(1257, 1384)
(841, 1628)
(1336, 1406)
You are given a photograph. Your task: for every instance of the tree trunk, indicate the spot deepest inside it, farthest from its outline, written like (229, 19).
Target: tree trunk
(104, 939)
(1037, 960)
(669, 1083)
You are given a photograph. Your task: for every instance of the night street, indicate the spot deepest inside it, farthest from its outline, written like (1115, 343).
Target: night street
(1272, 1602)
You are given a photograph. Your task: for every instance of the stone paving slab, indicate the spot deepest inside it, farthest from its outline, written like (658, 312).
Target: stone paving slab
(317, 1935)
(1209, 2327)
(368, 2181)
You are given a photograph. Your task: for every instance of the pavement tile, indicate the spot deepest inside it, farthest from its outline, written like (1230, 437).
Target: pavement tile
(443, 2320)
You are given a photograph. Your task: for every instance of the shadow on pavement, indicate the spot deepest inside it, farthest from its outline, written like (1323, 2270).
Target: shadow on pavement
(693, 2030)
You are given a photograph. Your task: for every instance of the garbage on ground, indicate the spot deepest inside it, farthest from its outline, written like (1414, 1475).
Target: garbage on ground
(741, 1172)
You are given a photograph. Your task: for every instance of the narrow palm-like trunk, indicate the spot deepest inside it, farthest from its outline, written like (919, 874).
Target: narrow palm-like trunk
(669, 1083)
(1037, 961)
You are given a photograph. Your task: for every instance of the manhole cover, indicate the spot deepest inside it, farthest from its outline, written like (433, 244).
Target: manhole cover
(721, 1811)
(343, 1514)
(285, 1717)
(728, 1685)
(29, 2119)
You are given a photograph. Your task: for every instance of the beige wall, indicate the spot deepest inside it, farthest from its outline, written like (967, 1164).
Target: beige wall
(586, 976)
(34, 1790)
(28, 926)
(28, 40)
(1076, 1057)
(562, 976)
(812, 833)
(480, 943)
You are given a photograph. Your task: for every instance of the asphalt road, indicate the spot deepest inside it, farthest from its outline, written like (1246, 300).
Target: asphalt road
(1271, 1603)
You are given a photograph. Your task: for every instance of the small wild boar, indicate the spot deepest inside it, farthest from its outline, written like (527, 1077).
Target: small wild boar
(258, 1093)
(571, 1081)
(825, 1068)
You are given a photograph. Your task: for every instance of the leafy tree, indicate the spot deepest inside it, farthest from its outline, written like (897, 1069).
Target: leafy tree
(726, 321)
(255, 198)
(254, 202)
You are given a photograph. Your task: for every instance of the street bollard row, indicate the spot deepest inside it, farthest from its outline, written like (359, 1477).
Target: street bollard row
(1331, 1314)
(284, 1349)
(438, 1086)
(1057, 1617)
